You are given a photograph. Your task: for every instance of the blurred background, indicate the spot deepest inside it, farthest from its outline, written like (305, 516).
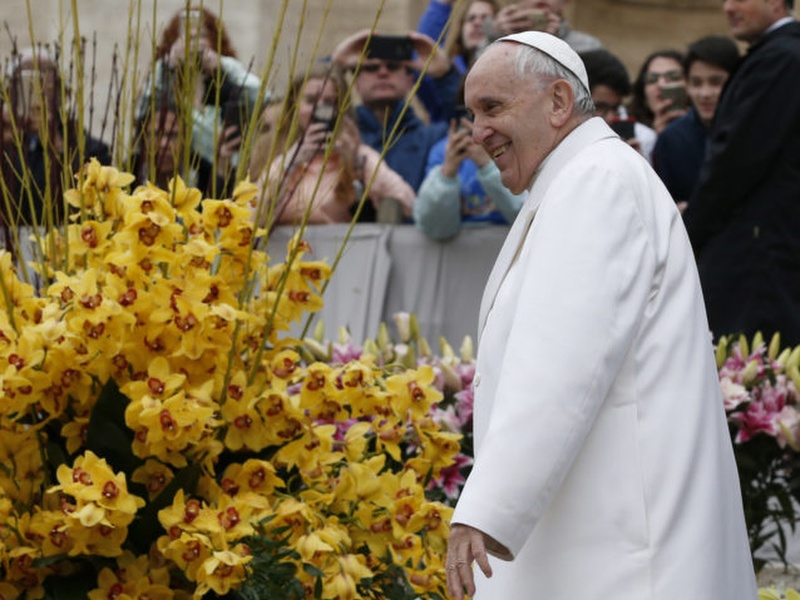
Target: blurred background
(629, 28)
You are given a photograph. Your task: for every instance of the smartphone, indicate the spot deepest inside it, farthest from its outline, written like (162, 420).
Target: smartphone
(233, 113)
(677, 94)
(324, 113)
(459, 112)
(391, 47)
(623, 129)
(538, 20)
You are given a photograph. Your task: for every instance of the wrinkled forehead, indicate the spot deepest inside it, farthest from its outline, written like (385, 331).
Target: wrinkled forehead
(495, 62)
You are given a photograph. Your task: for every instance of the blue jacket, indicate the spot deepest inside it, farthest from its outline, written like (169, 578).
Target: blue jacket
(408, 154)
(473, 198)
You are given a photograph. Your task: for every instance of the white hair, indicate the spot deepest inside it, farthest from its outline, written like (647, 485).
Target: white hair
(532, 61)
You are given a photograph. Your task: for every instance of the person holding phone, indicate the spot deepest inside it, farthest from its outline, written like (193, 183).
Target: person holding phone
(384, 74)
(680, 149)
(659, 91)
(40, 130)
(540, 15)
(610, 86)
(744, 216)
(195, 59)
(322, 169)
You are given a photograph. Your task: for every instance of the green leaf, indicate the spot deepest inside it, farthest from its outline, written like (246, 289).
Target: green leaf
(108, 436)
(146, 528)
(69, 587)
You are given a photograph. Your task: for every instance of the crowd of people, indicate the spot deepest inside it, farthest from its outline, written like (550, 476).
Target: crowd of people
(378, 131)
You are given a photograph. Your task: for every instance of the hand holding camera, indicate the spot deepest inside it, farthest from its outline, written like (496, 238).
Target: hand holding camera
(461, 146)
(525, 15)
(673, 102)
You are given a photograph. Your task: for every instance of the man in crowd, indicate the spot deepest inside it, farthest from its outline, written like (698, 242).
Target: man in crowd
(384, 80)
(744, 217)
(603, 463)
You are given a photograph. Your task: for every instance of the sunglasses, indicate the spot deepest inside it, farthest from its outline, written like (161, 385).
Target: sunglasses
(669, 76)
(391, 65)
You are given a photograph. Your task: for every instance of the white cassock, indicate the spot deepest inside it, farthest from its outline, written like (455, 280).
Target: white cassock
(602, 455)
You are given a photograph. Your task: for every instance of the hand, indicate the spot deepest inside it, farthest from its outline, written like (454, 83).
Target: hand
(523, 16)
(460, 145)
(348, 51)
(426, 47)
(664, 113)
(312, 143)
(466, 544)
(208, 58)
(348, 139)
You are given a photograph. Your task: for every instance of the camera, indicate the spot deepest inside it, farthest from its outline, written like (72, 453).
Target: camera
(459, 113)
(391, 47)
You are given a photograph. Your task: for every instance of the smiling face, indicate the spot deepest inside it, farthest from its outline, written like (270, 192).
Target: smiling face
(512, 116)
(704, 86)
(748, 19)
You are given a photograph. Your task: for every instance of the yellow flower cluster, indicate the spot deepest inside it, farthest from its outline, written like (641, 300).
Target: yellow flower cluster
(167, 297)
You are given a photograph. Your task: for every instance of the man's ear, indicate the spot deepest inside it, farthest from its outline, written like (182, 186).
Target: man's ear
(562, 98)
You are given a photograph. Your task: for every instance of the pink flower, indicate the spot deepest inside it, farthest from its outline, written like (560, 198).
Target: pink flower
(733, 394)
(757, 418)
(788, 421)
(345, 353)
(450, 479)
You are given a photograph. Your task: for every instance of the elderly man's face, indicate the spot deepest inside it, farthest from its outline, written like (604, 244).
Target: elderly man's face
(512, 116)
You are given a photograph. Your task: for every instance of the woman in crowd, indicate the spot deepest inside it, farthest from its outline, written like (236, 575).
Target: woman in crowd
(659, 92)
(322, 169)
(466, 35)
(680, 148)
(195, 60)
(40, 131)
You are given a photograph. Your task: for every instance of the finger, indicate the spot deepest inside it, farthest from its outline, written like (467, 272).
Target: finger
(481, 556)
(454, 585)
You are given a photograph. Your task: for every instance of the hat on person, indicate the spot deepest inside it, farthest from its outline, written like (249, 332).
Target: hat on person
(555, 48)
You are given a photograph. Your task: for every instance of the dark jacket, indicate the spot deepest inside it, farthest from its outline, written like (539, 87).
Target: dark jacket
(21, 207)
(744, 218)
(408, 155)
(678, 155)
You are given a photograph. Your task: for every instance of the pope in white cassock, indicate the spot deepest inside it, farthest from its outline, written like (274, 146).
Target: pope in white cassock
(603, 463)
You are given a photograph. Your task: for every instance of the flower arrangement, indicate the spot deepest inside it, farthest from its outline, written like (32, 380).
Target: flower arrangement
(760, 391)
(161, 436)
(452, 377)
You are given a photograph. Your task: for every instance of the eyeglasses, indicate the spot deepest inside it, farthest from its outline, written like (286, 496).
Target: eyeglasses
(391, 65)
(668, 76)
(604, 108)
